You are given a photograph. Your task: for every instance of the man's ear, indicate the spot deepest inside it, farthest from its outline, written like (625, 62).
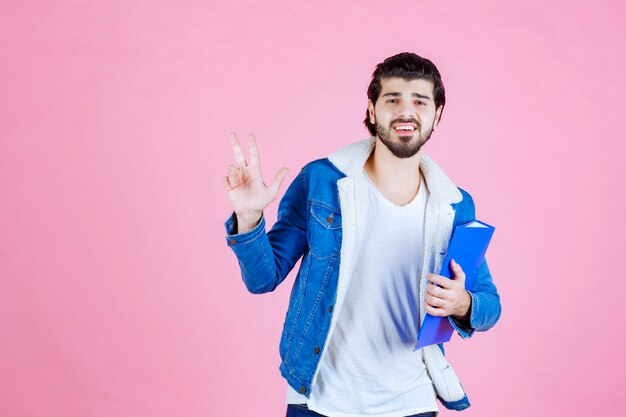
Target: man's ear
(370, 108)
(437, 116)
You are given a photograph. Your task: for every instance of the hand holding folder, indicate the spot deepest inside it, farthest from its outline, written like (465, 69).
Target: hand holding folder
(467, 247)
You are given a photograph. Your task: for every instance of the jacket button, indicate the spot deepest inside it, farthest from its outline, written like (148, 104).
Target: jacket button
(316, 350)
(232, 241)
(330, 219)
(330, 309)
(302, 390)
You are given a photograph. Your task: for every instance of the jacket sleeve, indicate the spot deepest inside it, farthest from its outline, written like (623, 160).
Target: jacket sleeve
(485, 309)
(265, 259)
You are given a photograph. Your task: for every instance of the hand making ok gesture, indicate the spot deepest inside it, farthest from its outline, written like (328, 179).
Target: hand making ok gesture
(246, 190)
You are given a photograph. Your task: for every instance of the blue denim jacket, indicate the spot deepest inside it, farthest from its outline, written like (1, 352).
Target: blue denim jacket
(316, 222)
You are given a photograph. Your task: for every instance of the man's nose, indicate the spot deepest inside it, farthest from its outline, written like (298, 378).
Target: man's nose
(407, 111)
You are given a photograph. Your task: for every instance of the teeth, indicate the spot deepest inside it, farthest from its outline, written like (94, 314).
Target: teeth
(404, 128)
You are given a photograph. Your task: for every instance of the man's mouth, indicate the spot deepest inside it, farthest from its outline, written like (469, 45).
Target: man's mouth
(404, 129)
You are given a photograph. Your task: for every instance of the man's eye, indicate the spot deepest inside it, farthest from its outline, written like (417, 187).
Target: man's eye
(392, 100)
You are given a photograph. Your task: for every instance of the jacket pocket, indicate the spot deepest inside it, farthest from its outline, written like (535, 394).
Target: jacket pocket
(324, 231)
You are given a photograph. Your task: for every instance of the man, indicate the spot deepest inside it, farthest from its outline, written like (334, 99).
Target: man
(372, 224)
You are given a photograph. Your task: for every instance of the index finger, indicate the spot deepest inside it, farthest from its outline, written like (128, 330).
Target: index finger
(255, 159)
(440, 280)
(241, 160)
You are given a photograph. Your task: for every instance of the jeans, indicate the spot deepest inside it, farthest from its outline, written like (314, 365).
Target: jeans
(301, 410)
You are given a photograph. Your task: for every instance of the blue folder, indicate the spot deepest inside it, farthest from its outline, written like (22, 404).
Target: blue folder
(467, 247)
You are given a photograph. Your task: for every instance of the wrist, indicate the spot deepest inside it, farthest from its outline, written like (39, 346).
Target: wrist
(465, 309)
(247, 221)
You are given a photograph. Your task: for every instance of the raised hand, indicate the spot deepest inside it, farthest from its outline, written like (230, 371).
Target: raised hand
(246, 190)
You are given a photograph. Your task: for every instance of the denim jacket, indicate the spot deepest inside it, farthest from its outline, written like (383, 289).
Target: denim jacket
(317, 223)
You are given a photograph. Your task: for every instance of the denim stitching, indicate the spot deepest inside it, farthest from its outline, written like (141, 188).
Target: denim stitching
(299, 311)
(269, 268)
(323, 222)
(323, 204)
(316, 304)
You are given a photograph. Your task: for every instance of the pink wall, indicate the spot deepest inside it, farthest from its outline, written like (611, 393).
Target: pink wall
(118, 295)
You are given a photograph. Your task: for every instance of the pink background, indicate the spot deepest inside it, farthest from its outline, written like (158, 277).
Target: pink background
(118, 294)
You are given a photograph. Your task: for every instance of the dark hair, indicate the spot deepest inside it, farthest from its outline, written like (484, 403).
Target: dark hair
(408, 66)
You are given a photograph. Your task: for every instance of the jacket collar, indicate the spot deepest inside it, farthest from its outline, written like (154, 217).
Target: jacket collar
(351, 159)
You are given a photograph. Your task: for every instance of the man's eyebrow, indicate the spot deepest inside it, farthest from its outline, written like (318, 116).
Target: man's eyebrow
(394, 94)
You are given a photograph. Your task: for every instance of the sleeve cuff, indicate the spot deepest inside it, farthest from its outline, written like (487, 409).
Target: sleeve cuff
(465, 329)
(233, 239)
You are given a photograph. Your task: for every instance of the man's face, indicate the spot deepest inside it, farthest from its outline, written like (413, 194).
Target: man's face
(404, 115)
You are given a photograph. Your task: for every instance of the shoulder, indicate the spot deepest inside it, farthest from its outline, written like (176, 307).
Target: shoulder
(320, 170)
(467, 198)
(465, 209)
(319, 180)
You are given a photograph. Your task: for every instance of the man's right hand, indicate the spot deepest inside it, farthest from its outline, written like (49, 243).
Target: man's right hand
(246, 190)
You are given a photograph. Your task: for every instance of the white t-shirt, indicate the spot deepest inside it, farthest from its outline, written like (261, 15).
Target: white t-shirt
(369, 367)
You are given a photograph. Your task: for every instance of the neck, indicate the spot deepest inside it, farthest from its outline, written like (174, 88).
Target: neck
(398, 176)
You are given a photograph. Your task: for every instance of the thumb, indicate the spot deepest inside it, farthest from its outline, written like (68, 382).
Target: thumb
(459, 275)
(278, 180)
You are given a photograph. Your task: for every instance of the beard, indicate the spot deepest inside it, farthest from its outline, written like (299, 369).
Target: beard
(405, 147)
